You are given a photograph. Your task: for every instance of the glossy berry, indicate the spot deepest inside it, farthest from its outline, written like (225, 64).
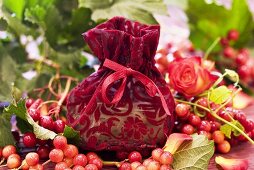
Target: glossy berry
(91, 167)
(207, 134)
(59, 126)
(8, 150)
(29, 102)
(194, 120)
(91, 155)
(205, 126)
(249, 125)
(32, 159)
(37, 167)
(134, 156)
(141, 167)
(244, 71)
(35, 114)
(29, 139)
(56, 155)
(60, 142)
(80, 159)
(46, 122)
(224, 147)
(218, 136)
(125, 166)
(156, 154)
(182, 110)
(43, 152)
(24, 164)
(69, 161)
(233, 35)
(135, 164)
(147, 161)
(166, 158)
(97, 162)
(153, 165)
(229, 52)
(241, 59)
(188, 129)
(13, 161)
(215, 125)
(224, 42)
(61, 166)
(70, 151)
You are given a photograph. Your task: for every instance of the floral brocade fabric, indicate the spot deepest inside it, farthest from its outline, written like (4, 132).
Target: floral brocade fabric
(137, 120)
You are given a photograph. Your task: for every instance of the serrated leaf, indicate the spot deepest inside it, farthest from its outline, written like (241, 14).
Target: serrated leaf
(72, 135)
(35, 15)
(140, 10)
(21, 111)
(227, 129)
(6, 137)
(194, 155)
(220, 94)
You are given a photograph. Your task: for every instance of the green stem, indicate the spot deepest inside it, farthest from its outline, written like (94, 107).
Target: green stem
(209, 50)
(112, 163)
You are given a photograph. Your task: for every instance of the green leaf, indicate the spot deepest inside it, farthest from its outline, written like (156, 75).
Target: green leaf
(140, 10)
(35, 15)
(15, 6)
(207, 26)
(72, 135)
(20, 111)
(227, 129)
(194, 155)
(220, 94)
(6, 137)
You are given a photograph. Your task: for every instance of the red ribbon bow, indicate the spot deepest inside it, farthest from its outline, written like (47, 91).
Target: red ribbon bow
(122, 72)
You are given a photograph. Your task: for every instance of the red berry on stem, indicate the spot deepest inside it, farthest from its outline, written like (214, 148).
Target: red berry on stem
(229, 52)
(91, 155)
(224, 147)
(218, 136)
(70, 151)
(91, 167)
(37, 167)
(141, 167)
(8, 150)
(241, 59)
(69, 161)
(125, 166)
(56, 155)
(205, 126)
(244, 51)
(29, 102)
(24, 164)
(135, 164)
(153, 165)
(80, 159)
(194, 120)
(60, 142)
(134, 156)
(29, 139)
(13, 161)
(61, 166)
(97, 162)
(182, 110)
(46, 122)
(233, 35)
(224, 42)
(156, 154)
(215, 125)
(244, 72)
(59, 126)
(32, 159)
(147, 161)
(166, 158)
(188, 129)
(43, 152)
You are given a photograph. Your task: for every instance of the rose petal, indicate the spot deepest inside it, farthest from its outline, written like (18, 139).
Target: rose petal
(174, 141)
(232, 164)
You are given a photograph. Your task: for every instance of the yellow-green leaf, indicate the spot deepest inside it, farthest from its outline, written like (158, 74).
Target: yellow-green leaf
(220, 94)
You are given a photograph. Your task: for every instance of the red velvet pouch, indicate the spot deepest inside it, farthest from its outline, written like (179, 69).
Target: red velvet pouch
(126, 104)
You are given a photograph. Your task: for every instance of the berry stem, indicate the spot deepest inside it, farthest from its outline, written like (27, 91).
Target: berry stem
(209, 50)
(112, 163)
(45, 163)
(3, 166)
(2, 161)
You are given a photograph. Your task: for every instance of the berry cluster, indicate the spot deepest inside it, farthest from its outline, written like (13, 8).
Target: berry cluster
(239, 59)
(189, 123)
(160, 160)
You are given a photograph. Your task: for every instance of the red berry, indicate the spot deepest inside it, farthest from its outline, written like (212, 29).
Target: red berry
(125, 166)
(241, 59)
(56, 155)
(207, 134)
(29, 102)
(42, 142)
(29, 139)
(32, 159)
(46, 122)
(182, 110)
(59, 126)
(241, 117)
(225, 115)
(97, 162)
(141, 167)
(165, 167)
(229, 52)
(60, 142)
(153, 165)
(147, 161)
(188, 129)
(70, 151)
(91, 167)
(43, 152)
(1, 152)
(205, 126)
(244, 51)
(61, 166)
(166, 158)
(69, 161)
(214, 125)
(37, 167)
(244, 72)
(249, 125)
(194, 120)
(91, 155)
(8, 150)
(35, 114)
(156, 154)
(134, 156)
(13, 161)
(224, 147)
(224, 42)
(218, 136)
(135, 164)
(25, 166)
(80, 159)
(233, 35)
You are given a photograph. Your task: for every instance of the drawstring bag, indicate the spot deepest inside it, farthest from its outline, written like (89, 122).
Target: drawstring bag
(126, 104)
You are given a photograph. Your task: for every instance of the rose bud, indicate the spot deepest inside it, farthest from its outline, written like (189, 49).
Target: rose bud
(187, 76)
(231, 164)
